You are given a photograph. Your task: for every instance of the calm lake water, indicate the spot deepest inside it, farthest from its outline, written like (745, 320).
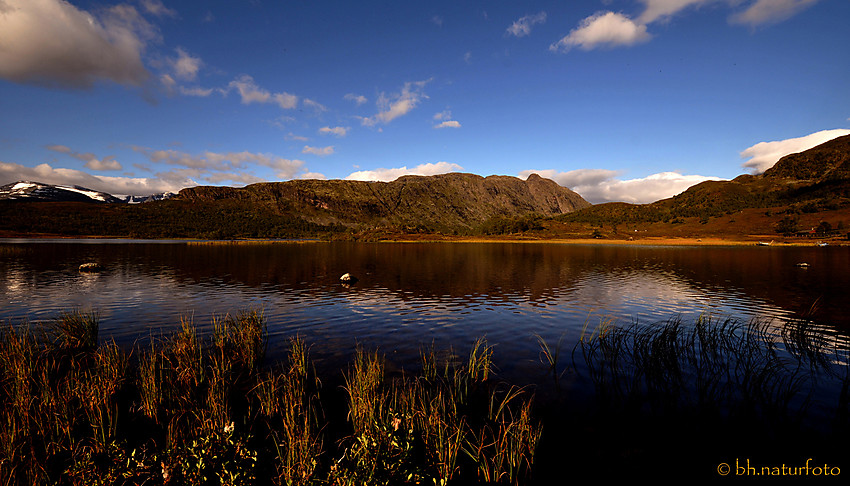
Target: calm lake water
(412, 294)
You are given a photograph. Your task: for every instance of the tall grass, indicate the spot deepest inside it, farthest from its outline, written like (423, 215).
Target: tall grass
(187, 409)
(436, 427)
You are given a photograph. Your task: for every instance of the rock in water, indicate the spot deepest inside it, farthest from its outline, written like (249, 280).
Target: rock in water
(90, 267)
(348, 278)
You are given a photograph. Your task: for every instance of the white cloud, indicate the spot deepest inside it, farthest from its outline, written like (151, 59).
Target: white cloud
(285, 100)
(398, 104)
(443, 115)
(181, 169)
(215, 166)
(155, 7)
(139, 186)
(763, 155)
(447, 123)
(53, 42)
(604, 29)
(771, 11)
(387, 175)
(600, 185)
(664, 9)
(92, 162)
(522, 27)
(320, 151)
(298, 138)
(186, 67)
(196, 91)
(251, 93)
(358, 99)
(312, 175)
(610, 29)
(338, 131)
(315, 105)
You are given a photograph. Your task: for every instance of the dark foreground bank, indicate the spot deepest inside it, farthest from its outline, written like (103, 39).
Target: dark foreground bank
(712, 400)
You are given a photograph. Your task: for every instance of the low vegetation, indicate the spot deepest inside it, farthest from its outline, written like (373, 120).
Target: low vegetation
(186, 409)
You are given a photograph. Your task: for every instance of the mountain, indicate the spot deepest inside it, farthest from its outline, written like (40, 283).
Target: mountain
(143, 199)
(446, 202)
(814, 180)
(449, 203)
(38, 191)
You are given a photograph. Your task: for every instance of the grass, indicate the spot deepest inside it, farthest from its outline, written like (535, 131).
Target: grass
(190, 410)
(187, 410)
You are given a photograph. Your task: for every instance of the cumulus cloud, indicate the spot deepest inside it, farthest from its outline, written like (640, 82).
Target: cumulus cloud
(387, 175)
(664, 9)
(446, 121)
(155, 7)
(600, 185)
(138, 186)
(611, 29)
(315, 105)
(249, 92)
(771, 11)
(763, 155)
(398, 104)
(171, 170)
(604, 29)
(312, 175)
(522, 27)
(92, 162)
(186, 66)
(54, 43)
(320, 151)
(216, 166)
(358, 99)
(196, 91)
(338, 131)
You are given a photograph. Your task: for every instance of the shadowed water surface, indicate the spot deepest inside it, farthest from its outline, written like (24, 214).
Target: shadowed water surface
(412, 294)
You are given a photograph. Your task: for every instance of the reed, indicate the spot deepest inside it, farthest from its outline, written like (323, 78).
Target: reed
(190, 410)
(77, 329)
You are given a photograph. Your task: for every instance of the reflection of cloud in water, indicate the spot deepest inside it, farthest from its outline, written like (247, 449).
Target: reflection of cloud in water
(652, 295)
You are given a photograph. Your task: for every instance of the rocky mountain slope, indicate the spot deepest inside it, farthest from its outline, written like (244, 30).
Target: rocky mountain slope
(448, 203)
(443, 202)
(813, 180)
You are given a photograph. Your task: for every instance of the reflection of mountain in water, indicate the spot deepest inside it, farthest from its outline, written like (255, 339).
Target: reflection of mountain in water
(433, 282)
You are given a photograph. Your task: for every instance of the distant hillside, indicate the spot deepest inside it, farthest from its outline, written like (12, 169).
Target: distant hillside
(447, 202)
(810, 181)
(39, 191)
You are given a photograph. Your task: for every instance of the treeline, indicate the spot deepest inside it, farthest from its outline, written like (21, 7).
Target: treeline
(163, 219)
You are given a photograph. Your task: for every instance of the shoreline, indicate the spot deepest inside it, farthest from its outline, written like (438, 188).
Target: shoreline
(754, 240)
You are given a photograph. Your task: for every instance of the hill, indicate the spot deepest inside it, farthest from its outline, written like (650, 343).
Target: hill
(447, 202)
(450, 203)
(799, 192)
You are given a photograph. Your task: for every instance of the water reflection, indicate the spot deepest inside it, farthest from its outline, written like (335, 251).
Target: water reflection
(410, 294)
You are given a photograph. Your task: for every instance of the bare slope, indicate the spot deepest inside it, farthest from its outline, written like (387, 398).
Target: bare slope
(441, 202)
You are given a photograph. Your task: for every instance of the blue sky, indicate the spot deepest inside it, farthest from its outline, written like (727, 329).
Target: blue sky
(620, 100)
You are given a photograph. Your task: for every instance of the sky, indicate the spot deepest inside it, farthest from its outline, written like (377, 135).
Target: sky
(619, 100)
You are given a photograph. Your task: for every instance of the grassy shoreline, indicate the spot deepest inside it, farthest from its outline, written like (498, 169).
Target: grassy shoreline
(187, 410)
(753, 240)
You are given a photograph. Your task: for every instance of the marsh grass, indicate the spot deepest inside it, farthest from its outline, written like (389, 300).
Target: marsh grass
(438, 427)
(756, 382)
(187, 409)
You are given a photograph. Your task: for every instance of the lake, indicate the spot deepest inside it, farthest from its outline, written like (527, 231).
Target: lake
(414, 294)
